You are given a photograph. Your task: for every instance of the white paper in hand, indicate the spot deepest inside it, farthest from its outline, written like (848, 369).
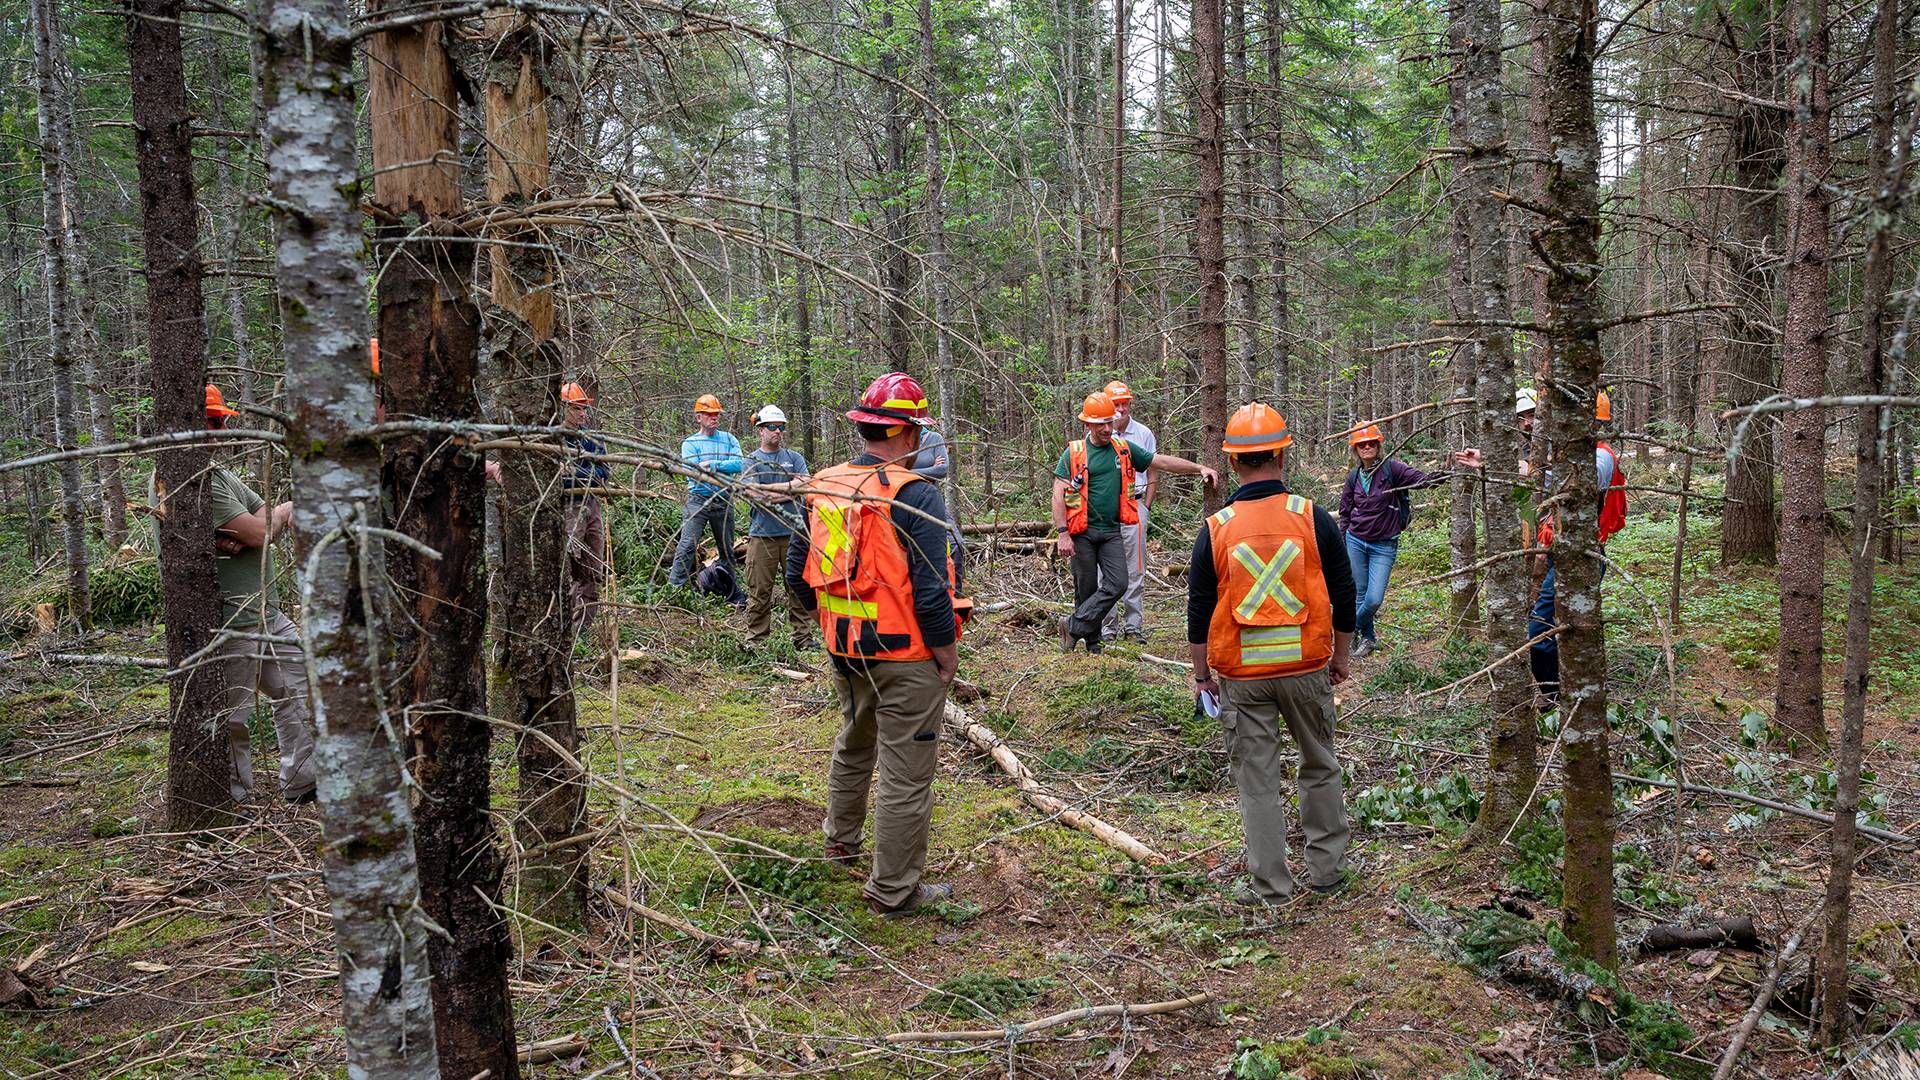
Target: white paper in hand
(1210, 705)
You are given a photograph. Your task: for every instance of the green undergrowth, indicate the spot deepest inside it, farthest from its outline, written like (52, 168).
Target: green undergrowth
(985, 995)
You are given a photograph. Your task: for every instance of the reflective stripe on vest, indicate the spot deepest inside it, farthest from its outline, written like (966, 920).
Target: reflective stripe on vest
(858, 566)
(842, 605)
(1270, 645)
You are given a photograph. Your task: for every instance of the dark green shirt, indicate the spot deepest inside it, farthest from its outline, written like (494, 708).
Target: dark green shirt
(228, 497)
(1103, 481)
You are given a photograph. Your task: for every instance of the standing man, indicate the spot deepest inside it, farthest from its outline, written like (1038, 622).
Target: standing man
(266, 661)
(875, 565)
(1543, 656)
(586, 522)
(1269, 621)
(1093, 485)
(776, 515)
(709, 505)
(1125, 621)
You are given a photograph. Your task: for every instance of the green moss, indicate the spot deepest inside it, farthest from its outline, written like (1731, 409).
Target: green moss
(128, 944)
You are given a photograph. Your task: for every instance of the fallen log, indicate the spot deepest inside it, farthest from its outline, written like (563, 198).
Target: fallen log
(1738, 932)
(1035, 528)
(547, 1050)
(1053, 806)
(724, 945)
(1016, 1032)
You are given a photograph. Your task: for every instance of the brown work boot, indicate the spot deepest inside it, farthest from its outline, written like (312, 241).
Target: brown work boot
(842, 855)
(923, 895)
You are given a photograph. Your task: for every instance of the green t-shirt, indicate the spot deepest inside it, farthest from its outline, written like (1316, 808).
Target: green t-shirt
(1103, 481)
(240, 575)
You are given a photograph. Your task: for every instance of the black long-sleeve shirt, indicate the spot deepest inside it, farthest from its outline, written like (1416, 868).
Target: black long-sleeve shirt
(1203, 585)
(925, 540)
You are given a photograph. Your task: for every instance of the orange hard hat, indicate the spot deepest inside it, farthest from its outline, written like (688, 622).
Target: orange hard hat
(1119, 392)
(217, 403)
(1370, 433)
(1097, 409)
(893, 399)
(572, 394)
(707, 404)
(373, 350)
(1602, 406)
(1256, 427)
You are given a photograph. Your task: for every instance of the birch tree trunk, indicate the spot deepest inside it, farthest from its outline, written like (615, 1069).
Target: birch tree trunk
(535, 633)
(1569, 242)
(429, 348)
(1209, 236)
(1803, 490)
(198, 765)
(366, 821)
(1885, 181)
(1481, 274)
(47, 50)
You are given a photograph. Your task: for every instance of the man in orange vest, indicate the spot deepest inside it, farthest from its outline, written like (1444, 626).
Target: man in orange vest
(1093, 502)
(1270, 618)
(875, 565)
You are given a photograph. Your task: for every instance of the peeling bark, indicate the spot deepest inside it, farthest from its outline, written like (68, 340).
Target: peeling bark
(1209, 236)
(380, 933)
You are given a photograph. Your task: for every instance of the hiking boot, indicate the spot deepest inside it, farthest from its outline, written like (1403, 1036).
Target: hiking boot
(1363, 647)
(1245, 896)
(923, 895)
(842, 855)
(1095, 646)
(1066, 635)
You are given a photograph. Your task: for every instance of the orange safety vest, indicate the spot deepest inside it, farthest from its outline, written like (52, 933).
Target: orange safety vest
(1613, 504)
(858, 566)
(1272, 615)
(1077, 484)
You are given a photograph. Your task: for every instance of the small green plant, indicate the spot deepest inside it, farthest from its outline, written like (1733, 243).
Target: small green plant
(1450, 803)
(955, 912)
(800, 881)
(1491, 933)
(1243, 954)
(985, 995)
(1656, 1033)
(1253, 1061)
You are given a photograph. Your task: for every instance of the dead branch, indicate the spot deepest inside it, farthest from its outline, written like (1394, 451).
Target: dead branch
(1738, 932)
(1762, 997)
(726, 946)
(1395, 416)
(1015, 1032)
(1030, 789)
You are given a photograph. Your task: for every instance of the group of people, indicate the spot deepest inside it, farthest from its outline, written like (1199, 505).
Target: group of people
(872, 562)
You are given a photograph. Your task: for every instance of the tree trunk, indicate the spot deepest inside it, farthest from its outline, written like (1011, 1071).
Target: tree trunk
(367, 824)
(1539, 354)
(1245, 265)
(1116, 216)
(198, 767)
(1569, 242)
(1749, 526)
(935, 276)
(1481, 273)
(897, 312)
(47, 60)
(1209, 235)
(802, 271)
(1803, 490)
(1886, 172)
(535, 632)
(1277, 230)
(429, 348)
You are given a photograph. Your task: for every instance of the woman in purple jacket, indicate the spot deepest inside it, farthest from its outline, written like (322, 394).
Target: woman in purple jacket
(1374, 510)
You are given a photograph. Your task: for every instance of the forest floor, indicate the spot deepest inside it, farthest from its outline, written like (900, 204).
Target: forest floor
(146, 955)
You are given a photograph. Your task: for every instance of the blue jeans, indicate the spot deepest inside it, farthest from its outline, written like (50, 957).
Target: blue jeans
(1372, 562)
(1544, 656)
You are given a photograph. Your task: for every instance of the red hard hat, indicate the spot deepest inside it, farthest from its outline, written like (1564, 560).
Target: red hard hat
(217, 403)
(892, 399)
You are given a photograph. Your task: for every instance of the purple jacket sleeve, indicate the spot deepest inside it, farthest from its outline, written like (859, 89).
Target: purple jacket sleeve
(1406, 476)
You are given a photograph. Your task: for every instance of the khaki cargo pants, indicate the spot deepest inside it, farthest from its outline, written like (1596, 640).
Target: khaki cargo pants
(277, 672)
(1251, 711)
(892, 712)
(766, 574)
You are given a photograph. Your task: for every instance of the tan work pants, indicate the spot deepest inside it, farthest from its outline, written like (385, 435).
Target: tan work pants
(586, 558)
(892, 713)
(278, 673)
(1251, 711)
(766, 573)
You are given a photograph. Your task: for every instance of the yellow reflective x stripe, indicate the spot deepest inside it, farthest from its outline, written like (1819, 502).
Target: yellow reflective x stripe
(1225, 515)
(1269, 579)
(844, 605)
(1270, 645)
(837, 539)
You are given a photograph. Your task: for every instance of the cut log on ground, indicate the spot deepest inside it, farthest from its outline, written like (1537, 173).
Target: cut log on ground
(1016, 1032)
(1034, 528)
(1738, 933)
(1053, 806)
(547, 1050)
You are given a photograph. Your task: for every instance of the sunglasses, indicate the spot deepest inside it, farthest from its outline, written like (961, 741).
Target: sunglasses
(774, 427)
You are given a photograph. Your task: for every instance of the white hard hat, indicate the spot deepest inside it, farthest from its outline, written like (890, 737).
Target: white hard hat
(769, 414)
(1524, 401)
